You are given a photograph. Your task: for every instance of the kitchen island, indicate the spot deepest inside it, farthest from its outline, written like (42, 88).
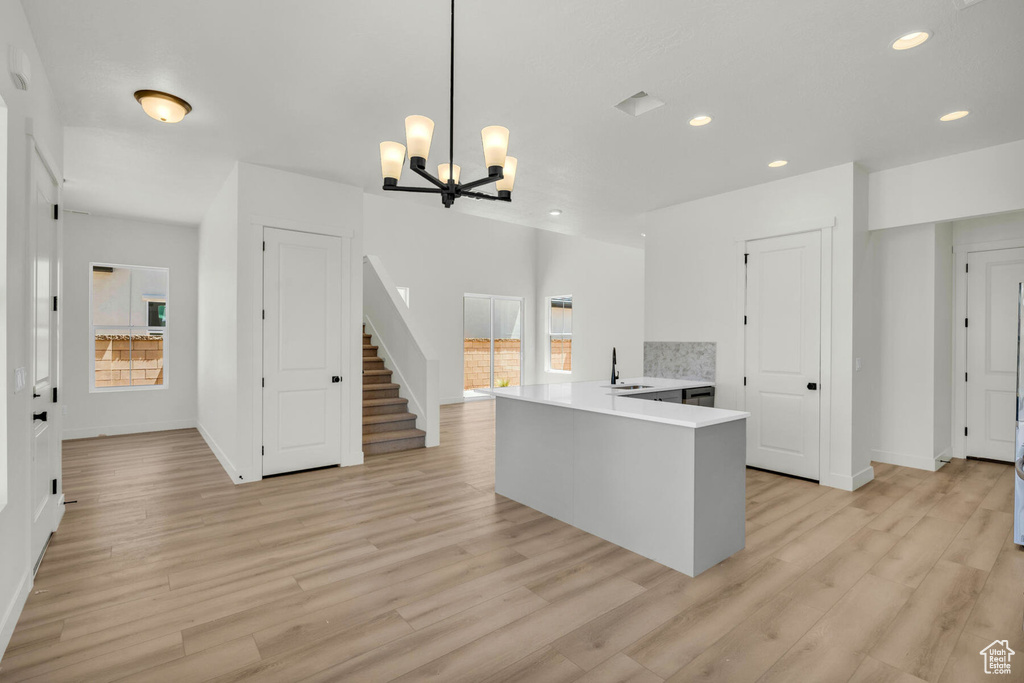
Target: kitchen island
(663, 479)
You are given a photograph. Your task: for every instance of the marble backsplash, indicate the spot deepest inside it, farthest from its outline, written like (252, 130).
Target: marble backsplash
(680, 360)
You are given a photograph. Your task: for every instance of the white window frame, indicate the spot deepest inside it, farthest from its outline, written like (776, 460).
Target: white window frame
(550, 336)
(93, 389)
(469, 395)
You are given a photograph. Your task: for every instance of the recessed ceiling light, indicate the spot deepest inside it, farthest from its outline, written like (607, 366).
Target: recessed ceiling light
(162, 106)
(910, 40)
(555, 212)
(643, 234)
(701, 120)
(778, 163)
(954, 115)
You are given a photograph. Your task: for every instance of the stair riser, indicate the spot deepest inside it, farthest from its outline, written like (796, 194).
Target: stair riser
(385, 410)
(373, 363)
(369, 380)
(389, 427)
(369, 353)
(366, 339)
(370, 392)
(394, 446)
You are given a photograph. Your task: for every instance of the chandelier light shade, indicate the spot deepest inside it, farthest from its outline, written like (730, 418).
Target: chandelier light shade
(392, 156)
(495, 140)
(419, 130)
(509, 176)
(442, 173)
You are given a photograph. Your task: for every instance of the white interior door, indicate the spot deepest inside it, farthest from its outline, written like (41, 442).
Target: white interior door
(302, 351)
(45, 429)
(783, 353)
(993, 283)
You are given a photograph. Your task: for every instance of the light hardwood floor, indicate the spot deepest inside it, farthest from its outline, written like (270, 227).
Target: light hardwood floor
(411, 568)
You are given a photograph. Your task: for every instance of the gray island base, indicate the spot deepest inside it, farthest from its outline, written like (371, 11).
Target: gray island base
(667, 483)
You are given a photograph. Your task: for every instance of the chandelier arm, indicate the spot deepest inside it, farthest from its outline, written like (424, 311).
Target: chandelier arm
(401, 188)
(423, 172)
(481, 195)
(482, 181)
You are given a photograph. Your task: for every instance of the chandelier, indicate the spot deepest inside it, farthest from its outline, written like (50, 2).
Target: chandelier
(501, 168)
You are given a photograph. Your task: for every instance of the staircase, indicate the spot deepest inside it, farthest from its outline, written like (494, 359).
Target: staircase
(388, 426)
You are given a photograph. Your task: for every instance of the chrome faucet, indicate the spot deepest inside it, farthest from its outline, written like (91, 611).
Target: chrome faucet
(615, 374)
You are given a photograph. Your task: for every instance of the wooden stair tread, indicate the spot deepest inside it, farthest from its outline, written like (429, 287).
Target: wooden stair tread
(370, 346)
(399, 435)
(377, 372)
(378, 387)
(388, 417)
(378, 402)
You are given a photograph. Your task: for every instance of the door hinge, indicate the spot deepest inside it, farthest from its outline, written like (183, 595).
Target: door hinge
(744, 381)
(965, 322)
(55, 394)
(264, 314)
(744, 320)
(56, 212)
(263, 381)
(965, 376)
(53, 487)
(54, 304)
(263, 450)
(967, 267)
(965, 431)
(745, 258)
(264, 245)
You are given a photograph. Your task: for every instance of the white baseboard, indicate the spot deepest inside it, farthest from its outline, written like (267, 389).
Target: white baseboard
(848, 483)
(13, 611)
(222, 458)
(919, 462)
(117, 430)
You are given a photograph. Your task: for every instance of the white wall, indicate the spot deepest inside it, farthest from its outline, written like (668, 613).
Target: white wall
(606, 282)
(913, 297)
(441, 255)
(217, 324)
(976, 183)
(693, 272)
(90, 239)
(33, 111)
(230, 277)
(1005, 226)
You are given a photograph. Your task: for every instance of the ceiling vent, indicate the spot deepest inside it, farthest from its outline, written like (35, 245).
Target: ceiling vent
(964, 4)
(638, 104)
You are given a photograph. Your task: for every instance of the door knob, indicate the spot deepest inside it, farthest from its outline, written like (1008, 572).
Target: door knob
(335, 379)
(813, 386)
(39, 416)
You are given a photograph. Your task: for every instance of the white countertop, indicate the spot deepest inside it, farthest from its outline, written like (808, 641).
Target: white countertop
(599, 397)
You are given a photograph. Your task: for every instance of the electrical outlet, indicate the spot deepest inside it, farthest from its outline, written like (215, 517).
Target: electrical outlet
(19, 379)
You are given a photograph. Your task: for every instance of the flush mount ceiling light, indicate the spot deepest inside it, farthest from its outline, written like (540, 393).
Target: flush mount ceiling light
(954, 115)
(701, 120)
(163, 106)
(501, 168)
(910, 40)
(555, 212)
(779, 163)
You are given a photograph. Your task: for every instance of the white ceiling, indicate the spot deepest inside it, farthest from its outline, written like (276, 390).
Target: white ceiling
(314, 86)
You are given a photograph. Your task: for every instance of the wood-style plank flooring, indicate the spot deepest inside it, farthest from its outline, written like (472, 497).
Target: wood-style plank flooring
(411, 568)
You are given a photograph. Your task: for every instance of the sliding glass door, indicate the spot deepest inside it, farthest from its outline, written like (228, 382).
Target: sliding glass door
(492, 342)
